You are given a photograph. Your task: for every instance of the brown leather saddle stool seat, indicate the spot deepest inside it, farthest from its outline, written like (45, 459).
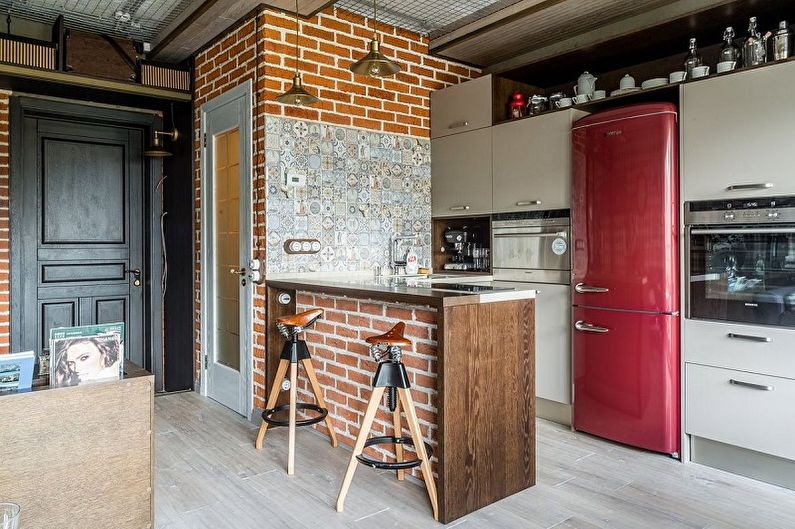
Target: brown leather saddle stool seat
(302, 319)
(393, 337)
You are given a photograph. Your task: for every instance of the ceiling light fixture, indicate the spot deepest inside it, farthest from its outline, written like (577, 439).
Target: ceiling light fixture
(375, 63)
(297, 94)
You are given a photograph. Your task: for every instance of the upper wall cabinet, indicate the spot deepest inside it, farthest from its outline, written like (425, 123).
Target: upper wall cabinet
(461, 174)
(462, 107)
(532, 162)
(737, 134)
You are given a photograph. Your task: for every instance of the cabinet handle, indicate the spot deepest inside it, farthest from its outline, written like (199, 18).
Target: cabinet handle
(743, 187)
(587, 327)
(459, 208)
(582, 288)
(760, 387)
(750, 337)
(458, 124)
(529, 203)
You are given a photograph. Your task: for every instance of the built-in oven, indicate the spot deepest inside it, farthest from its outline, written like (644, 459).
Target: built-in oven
(741, 261)
(531, 246)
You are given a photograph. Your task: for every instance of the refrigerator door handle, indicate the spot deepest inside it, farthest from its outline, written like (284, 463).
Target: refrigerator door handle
(582, 288)
(587, 327)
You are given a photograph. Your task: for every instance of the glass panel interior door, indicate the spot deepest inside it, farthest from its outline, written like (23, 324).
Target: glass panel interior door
(227, 248)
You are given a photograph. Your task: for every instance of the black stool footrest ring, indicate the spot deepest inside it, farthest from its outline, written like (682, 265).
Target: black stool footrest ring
(397, 465)
(268, 414)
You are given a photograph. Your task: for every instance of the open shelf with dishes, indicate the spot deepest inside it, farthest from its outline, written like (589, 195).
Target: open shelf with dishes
(654, 58)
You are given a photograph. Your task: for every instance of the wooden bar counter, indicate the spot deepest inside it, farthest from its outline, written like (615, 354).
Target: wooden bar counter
(474, 356)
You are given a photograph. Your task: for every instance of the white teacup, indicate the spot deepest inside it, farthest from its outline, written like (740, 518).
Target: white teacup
(726, 66)
(564, 102)
(599, 94)
(581, 98)
(676, 77)
(700, 71)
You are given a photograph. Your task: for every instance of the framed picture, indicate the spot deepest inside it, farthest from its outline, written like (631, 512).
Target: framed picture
(86, 354)
(16, 371)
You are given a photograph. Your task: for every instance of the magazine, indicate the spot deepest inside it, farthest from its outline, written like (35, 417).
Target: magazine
(16, 371)
(87, 353)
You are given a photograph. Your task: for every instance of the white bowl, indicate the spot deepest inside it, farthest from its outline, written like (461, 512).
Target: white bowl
(653, 83)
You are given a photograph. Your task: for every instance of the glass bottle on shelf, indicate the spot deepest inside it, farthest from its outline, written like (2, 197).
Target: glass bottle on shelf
(693, 59)
(754, 49)
(729, 52)
(782, 42)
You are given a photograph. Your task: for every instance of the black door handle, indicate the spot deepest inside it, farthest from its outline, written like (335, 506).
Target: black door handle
(136, 273)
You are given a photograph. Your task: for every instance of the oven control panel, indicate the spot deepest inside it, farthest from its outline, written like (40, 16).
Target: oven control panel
(741, 211)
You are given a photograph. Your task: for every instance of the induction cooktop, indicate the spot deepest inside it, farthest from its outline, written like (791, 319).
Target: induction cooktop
(468, 287)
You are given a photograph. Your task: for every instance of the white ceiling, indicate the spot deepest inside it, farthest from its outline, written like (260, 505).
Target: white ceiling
(132, 19)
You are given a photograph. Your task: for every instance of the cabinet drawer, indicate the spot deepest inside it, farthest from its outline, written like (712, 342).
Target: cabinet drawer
(741, 409)
(737, 135)
(764, 350)
(461, 108)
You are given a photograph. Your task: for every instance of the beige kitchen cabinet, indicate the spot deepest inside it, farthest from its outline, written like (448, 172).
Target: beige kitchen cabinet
(737, 134)
(553, 342)
(461, 174)
(532, 162)
(462, 107)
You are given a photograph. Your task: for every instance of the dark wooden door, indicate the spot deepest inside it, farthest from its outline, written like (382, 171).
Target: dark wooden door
(81, 230)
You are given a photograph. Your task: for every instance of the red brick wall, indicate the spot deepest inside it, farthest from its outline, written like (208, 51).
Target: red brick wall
(5, 238)
(345, 368)
(262, 48)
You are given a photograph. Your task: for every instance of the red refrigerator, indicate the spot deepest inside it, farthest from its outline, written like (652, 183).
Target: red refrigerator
(625, 272)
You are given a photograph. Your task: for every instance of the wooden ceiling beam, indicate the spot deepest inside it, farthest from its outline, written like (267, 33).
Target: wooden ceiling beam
(210, 18)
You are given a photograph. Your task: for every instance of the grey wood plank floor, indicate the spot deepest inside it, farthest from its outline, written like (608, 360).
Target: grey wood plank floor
(208, 475)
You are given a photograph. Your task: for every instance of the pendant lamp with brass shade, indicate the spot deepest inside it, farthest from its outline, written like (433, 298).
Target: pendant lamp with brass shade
(375, 63)
(297, 94)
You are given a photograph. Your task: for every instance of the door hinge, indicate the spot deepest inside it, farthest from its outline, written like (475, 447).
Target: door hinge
(206, 362)
(205, 140)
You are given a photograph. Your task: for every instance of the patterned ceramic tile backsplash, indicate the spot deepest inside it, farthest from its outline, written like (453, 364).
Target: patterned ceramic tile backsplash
(356, 188)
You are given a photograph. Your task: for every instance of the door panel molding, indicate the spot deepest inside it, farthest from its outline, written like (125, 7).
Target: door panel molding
(241, 118)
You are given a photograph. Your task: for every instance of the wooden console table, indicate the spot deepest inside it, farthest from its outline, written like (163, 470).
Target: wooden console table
(81, 456)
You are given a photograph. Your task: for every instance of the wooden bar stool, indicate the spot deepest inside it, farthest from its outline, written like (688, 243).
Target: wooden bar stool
(391, 375)
(295, 350)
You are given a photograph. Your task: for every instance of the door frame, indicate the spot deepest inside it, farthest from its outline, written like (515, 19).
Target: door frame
(242, 91)
(43, 107)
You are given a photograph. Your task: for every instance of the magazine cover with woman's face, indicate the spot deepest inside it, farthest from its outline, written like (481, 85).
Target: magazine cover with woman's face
(85, 354)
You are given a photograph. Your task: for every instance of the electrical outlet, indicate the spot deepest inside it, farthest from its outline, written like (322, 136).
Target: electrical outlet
(295, 179)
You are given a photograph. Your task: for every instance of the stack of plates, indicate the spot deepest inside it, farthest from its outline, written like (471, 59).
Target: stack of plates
(654, 83)
(622, 91)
